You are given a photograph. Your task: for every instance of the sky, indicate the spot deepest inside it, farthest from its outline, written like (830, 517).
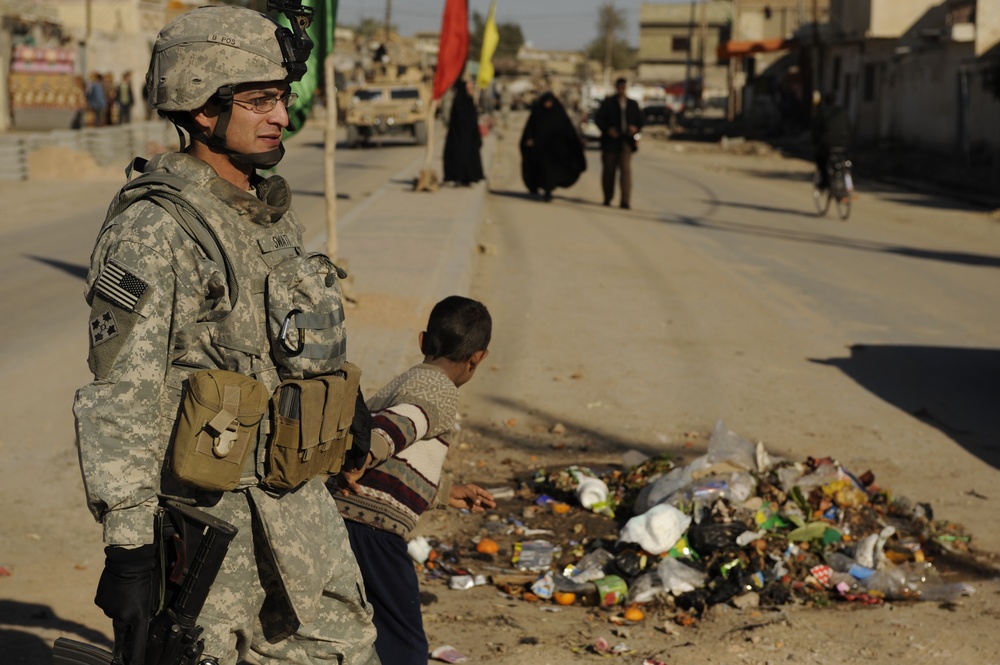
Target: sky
(547, 24)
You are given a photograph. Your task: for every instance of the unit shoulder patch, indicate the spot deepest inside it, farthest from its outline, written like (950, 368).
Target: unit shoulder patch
(103, 327)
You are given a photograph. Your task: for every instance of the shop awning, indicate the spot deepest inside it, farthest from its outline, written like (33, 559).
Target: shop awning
(733, 49)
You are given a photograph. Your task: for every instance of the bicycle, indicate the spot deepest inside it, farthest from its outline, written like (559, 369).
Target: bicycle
(841, 189)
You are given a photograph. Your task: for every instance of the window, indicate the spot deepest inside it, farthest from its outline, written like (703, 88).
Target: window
(404, 93)
(680, 44)
(868, 94)
(368, 95)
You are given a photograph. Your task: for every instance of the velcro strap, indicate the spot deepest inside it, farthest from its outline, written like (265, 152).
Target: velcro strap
(313, 397)
(224, 419)
(319, 321)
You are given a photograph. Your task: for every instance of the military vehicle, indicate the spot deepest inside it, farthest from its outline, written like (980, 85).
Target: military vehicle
(385, 107)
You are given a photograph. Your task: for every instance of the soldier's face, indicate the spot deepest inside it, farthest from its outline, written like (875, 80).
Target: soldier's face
(252, 131)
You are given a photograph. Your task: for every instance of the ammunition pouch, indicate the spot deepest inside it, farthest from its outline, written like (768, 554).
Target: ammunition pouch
(217, 428)
(311, 427)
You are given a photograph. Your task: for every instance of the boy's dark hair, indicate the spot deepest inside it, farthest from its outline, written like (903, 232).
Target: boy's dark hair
(458, 327)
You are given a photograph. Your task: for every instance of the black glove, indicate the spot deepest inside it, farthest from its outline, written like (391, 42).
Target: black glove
(361, 434)
(125, 593)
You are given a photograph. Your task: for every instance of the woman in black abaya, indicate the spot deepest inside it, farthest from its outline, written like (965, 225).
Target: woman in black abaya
(462, 163)
(551, 151)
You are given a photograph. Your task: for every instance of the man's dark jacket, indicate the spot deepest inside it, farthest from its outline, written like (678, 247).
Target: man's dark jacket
(610, 115)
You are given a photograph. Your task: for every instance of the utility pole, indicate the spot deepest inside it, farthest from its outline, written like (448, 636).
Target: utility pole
(817, 57)
(703, 29)
(388, 17)
(609, 40)
(733, 106)
(687, 65)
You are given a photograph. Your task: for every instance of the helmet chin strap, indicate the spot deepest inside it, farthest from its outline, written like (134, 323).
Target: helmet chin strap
(217, 141)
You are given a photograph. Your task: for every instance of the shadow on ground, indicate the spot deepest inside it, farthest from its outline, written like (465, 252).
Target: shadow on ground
(21, 646)
(955, 390)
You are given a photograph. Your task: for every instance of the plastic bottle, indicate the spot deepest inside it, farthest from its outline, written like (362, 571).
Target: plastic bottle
(915, 581)
(591, 491)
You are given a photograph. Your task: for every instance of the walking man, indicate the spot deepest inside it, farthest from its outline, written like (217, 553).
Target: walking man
(619, 120)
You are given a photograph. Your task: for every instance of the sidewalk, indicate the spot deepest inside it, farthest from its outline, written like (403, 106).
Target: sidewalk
(405, 251)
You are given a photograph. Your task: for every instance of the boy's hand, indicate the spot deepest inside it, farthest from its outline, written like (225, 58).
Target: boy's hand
(470, 496)
(347, 480)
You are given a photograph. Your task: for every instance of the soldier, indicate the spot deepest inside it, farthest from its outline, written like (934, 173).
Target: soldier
(163, 306)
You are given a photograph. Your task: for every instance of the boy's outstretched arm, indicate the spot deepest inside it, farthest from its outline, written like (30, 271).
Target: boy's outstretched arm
(471, 496)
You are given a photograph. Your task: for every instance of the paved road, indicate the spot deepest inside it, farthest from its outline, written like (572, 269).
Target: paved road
(722, 295)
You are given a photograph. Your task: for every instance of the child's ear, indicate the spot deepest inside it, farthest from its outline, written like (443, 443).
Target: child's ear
(420, 340)
(478, 357)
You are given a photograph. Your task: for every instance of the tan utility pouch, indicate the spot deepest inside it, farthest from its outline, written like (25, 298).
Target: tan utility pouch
(217, 428)
(311, 430)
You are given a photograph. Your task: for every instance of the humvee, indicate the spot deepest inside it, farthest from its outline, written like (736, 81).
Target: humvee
(381, 108)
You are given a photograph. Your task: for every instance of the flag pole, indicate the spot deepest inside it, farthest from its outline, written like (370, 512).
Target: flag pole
(329, 152)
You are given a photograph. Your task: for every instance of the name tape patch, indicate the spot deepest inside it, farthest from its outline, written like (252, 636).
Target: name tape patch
(228, 40)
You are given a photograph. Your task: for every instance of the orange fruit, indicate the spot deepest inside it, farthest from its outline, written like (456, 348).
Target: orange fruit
(634, 614)
(487, 546)
(560, 508)
(564, 597)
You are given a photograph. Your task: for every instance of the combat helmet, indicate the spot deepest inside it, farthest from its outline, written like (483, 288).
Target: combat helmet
(207, 52)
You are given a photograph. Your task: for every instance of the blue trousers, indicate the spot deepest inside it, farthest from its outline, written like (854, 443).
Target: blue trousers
(393, 592)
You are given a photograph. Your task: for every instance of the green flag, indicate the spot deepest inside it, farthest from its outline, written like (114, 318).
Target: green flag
(321, 33)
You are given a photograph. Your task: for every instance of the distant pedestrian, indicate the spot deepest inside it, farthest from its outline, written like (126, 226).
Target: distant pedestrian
(619, 120)
(97, 102)
(551, 151)
(110, 94)
(831, 132)
(505, 101)
(462, 162)
(125, 98)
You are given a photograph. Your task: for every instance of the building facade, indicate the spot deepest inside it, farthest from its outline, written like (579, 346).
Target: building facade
(924, 73)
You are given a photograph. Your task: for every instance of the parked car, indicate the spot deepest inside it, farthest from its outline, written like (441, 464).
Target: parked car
(588, 127)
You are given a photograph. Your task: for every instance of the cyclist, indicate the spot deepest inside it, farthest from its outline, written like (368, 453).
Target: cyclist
(831, 133)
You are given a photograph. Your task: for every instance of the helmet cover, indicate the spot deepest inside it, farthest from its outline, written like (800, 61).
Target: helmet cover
(209, 48)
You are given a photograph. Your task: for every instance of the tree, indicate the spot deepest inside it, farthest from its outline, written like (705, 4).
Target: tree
(511, 38)
(371, 28)
(610, 47)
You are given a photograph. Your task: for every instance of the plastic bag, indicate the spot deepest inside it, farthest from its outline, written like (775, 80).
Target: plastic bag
(678, 577)
(726, 445)
(657, 529)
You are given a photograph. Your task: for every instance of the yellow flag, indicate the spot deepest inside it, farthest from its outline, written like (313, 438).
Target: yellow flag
(491, 37)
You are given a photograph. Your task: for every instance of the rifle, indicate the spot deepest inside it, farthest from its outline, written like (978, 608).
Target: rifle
(200, 543)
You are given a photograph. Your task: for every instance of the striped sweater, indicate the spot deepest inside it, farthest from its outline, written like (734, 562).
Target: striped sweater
(412, 416)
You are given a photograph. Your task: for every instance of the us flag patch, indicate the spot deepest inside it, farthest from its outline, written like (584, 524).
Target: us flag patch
(103, 328)
(120, 286)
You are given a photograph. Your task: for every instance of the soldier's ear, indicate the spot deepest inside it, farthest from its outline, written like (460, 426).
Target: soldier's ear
(206, 117)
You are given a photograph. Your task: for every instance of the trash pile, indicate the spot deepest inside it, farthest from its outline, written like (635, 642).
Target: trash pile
(734, 526)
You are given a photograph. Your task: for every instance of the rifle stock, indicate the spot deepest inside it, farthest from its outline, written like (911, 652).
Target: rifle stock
(200, 542)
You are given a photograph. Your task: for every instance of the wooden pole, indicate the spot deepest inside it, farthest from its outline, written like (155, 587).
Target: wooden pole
(329, 152)
(431, 112)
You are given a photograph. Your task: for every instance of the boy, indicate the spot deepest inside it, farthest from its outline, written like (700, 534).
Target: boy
(411, 418)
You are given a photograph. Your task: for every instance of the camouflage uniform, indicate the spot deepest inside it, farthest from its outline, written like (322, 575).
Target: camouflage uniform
(289, 590)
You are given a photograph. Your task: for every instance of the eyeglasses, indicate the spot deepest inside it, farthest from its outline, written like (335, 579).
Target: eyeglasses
(267, 104)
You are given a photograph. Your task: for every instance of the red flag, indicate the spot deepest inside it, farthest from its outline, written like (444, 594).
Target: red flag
(454, 46)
